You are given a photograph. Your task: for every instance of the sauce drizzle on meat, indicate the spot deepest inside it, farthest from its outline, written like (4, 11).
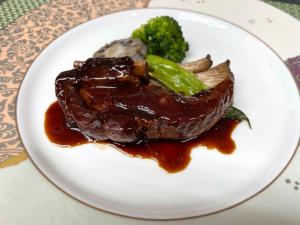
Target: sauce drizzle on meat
(173, 156)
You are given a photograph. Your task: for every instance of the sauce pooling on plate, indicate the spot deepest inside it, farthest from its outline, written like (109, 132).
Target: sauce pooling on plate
(57, 130)
(172, 156)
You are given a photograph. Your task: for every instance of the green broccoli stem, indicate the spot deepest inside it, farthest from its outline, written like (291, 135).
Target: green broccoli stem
(173, 76)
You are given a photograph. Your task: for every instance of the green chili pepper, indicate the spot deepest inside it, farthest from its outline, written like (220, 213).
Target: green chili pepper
(173, 76)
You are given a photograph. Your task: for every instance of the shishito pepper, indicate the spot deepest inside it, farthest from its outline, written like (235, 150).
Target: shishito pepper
(173, 76)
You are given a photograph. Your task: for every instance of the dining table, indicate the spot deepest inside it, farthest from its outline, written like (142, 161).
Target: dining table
(27, 27)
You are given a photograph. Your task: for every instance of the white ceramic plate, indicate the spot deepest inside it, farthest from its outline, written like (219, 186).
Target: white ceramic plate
(107, 179)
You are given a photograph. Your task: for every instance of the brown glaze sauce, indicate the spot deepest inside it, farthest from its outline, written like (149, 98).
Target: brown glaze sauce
(57, 130)
(173, 156)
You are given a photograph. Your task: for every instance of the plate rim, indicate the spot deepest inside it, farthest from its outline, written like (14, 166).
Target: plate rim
(145, 218)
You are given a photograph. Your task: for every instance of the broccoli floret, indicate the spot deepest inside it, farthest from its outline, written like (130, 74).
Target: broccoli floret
(163, 37)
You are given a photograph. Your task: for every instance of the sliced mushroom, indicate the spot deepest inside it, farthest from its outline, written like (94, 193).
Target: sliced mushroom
(134, 48)
(198, 65)
(216, 74)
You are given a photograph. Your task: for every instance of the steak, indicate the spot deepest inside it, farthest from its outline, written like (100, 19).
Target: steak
(112, 98)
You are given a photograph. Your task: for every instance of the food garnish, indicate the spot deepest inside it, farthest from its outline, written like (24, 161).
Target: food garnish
(173, 76)
(234, 113)
(132, 47)
(163, 37)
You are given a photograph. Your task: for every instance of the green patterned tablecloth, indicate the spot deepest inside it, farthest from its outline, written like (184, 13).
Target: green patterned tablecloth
(292, 9)
(12, 9)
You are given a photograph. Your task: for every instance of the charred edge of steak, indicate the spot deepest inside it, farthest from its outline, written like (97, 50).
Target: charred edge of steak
(108, 99)
(140, 67)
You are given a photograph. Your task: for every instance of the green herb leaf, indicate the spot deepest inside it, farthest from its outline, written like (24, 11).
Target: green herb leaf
(236, 114)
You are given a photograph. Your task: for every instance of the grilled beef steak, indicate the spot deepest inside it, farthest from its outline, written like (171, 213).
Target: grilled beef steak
(112, 98)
